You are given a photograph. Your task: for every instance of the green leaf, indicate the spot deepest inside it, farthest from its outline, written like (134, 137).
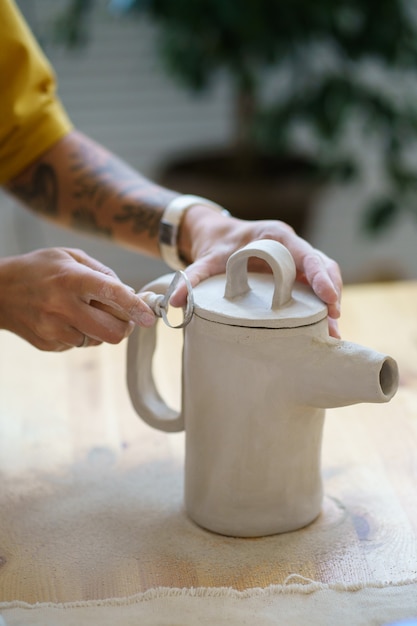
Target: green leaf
(380, 214)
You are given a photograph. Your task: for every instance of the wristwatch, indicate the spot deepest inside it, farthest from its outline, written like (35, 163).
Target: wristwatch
(170, 223)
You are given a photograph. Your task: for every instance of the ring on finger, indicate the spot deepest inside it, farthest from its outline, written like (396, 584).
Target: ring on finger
(85, 342)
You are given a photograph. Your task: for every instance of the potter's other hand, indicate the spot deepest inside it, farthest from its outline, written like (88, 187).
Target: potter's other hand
(59, 298)
(207, 239)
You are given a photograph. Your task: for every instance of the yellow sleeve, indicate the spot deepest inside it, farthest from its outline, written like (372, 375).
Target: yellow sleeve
(32, 118)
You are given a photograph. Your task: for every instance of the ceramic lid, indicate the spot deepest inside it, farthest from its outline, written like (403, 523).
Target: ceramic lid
(240, 298)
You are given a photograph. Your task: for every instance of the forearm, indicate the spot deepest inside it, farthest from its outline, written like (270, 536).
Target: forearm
(79, 184)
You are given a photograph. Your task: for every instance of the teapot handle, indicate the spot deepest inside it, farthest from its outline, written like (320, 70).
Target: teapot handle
(278, 258)
(140, 381)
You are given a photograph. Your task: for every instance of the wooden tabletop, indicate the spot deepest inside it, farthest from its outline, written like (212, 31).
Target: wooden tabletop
(66, 423)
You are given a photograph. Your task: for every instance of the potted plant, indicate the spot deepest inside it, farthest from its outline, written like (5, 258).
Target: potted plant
(303, 75)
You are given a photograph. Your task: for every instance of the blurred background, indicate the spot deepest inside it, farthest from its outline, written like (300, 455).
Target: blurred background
(321, 100)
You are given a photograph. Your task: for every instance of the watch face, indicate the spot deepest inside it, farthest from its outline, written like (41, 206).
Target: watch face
(167, 234)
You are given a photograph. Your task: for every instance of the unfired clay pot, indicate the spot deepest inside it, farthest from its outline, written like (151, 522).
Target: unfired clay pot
(259, 370)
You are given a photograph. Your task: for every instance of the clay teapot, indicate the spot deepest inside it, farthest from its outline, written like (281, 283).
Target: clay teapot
(259, 370)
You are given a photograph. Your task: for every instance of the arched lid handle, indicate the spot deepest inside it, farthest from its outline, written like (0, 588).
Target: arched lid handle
(278, 258)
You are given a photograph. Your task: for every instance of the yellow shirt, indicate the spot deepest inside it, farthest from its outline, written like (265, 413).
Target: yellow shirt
(32, 118)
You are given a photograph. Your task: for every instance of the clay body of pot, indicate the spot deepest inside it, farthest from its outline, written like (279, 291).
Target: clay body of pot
(259, 370)
(256, 448)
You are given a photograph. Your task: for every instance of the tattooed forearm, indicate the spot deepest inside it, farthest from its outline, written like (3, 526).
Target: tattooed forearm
(78, 183)
(40, 192)
(100, 179)
(85, 220)
(142, 219)
(99, 176)
(92, 181)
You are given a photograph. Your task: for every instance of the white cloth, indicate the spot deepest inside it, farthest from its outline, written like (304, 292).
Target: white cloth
(292, 605)
(99, 516)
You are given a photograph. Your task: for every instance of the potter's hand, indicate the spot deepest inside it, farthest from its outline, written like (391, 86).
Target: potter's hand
(59, 298)
(208, 239)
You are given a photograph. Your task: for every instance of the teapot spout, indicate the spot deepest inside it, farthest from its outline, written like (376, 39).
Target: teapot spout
(341, 373)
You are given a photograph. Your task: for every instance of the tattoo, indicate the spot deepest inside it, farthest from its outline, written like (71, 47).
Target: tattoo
(41, 192)
(142, 219)
(85, 220)
(107, 195)
(99, 177)
(91, 183)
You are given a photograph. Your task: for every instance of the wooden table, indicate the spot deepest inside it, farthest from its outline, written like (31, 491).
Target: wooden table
(66, 422)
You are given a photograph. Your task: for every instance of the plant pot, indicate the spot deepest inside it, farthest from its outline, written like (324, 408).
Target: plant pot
(260, 187)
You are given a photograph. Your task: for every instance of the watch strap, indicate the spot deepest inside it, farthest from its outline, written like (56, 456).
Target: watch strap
(170, 223)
